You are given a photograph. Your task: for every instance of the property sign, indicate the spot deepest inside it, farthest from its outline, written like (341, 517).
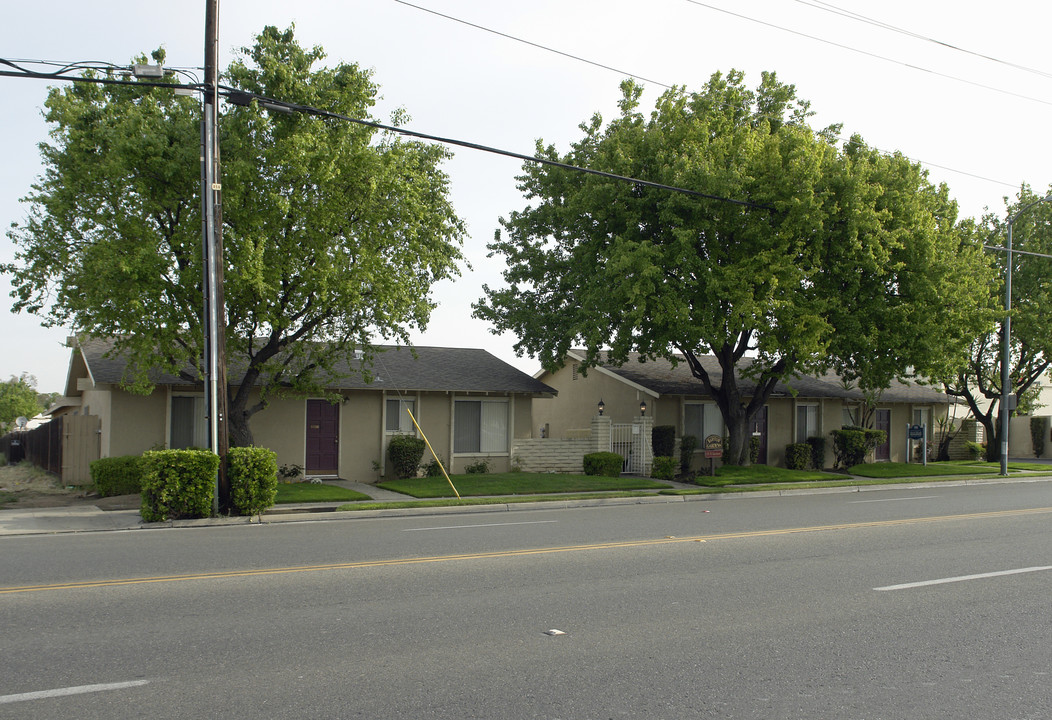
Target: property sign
(713, 446)
(916, 432)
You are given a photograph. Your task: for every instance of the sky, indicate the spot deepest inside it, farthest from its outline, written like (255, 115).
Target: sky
(962, 86)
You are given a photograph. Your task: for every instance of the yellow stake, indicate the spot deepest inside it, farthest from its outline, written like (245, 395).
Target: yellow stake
(433, 454)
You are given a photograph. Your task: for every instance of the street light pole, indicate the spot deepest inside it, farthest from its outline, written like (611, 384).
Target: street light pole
(1007, 339)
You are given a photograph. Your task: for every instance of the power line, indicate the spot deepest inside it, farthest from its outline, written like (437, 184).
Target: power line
(655, 82)
(530, 43)
(240, 97)
(858, 17)
(870, 54)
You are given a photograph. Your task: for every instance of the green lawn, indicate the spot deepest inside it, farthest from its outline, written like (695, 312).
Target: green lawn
(760, 474)
(305, 492)
(506, 500)
(516, 484)
(958, 467)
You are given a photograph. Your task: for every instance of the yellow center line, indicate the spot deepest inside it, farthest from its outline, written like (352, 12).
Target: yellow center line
(518, 553)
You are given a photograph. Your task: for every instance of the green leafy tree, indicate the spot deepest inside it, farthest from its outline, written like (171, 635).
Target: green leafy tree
(333, 234)
(844, 257)
(18, 398)
(978, 382)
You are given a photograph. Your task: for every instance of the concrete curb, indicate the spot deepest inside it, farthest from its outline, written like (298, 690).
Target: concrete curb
(52, 521)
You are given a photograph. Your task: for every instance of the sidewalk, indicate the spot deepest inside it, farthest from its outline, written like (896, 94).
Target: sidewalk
(91, 518)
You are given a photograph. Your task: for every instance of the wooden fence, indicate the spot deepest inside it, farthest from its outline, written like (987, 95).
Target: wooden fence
(66, 447)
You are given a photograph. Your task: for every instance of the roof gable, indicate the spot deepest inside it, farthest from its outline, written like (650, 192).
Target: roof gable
(662, 377)
(393, 368)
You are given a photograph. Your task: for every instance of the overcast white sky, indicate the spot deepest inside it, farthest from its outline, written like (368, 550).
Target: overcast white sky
(979, 125)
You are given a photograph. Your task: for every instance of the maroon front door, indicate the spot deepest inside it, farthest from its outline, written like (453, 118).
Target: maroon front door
(323, 437)
(758, 429)
(883, 422)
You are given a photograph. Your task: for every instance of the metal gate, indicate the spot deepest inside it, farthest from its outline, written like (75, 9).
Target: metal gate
(631, 442)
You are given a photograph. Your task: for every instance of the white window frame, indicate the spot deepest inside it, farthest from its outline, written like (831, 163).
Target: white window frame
(808, 430)
(405, 423)
(200, 420)
(487, 449)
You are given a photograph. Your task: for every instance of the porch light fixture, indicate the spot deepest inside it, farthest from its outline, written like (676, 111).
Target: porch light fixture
(602, 406)
(642, 407)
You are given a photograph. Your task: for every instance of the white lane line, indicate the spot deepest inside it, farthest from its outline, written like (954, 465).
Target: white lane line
(460, 527)
(62, 692)
(922, 497)
(962, 578)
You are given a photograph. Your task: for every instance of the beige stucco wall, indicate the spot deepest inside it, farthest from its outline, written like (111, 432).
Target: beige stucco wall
(579, 396)
(137, 423)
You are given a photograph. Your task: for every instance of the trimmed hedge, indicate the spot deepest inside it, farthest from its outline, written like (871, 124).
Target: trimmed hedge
(797, 455)
(687, 445)
(663, 467)
(406, 452)
(606, 464)
(1038, 430)
(253, 476)
(818, 452)
(852, 444)
(178, 484)
(117, 475)
(663, 440)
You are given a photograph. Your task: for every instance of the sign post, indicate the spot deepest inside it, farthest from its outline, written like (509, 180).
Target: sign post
(918, 432)
(713, 450)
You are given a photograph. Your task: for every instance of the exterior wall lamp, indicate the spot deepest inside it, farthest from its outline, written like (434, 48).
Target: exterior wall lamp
(602, 406)
(642, 408)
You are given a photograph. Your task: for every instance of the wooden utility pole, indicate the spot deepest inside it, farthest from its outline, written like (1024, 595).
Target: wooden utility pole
(214, 321)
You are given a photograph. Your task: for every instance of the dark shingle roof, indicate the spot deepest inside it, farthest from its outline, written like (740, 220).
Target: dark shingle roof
(394, 368)
(665, 379)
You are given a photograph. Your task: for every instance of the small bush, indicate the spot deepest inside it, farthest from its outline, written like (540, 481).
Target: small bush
(687, 445)
(117, 475)
(406, 452)
(253, 476)
(432, 469)
(663, 440)
(178, 484)
(1038, 429)
(852, 444)
(797, 455)
(754, 449)
(977, 451)
(818, 452)
(605, 464)
(479, 467)
(663, 467)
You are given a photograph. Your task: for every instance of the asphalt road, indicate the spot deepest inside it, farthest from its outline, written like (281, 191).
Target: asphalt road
(848, 605)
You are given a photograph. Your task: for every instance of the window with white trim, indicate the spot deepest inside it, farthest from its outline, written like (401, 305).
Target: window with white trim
(398, 420)
(480, 426)
(187, 427)
(806, 422)
(702, 420)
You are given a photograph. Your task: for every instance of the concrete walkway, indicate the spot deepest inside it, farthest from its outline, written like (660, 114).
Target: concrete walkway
(93, 518)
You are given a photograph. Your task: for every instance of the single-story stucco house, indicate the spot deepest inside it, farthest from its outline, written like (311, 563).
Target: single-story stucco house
(805, 407)
(470, 404)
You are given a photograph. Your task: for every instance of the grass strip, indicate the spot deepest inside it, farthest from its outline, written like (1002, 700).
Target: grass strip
(470, 485)
(314, 492)
(453, 502)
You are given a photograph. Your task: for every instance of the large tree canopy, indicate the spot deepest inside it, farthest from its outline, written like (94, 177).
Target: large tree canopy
(333, 235)
(978, 383)
(844, 257)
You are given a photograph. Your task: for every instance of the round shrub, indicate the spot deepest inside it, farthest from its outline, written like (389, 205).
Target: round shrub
(606, 464)
(406, 452)
(253, 476)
